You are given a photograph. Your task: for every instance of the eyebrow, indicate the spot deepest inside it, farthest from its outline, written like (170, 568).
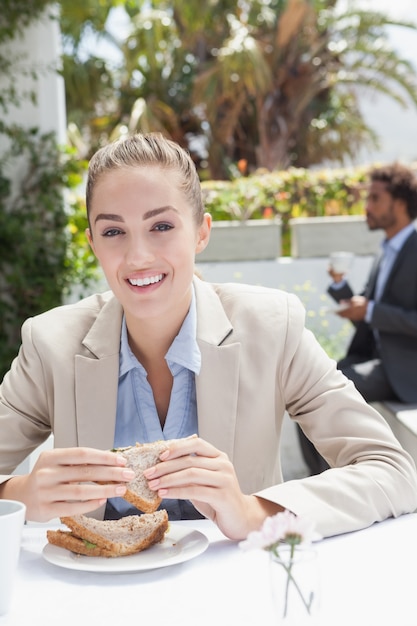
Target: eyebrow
(155, 212)
(109, 216)
(148, 215)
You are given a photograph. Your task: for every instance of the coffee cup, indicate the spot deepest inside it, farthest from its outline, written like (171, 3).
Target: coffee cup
(12, 519)
(341, 262)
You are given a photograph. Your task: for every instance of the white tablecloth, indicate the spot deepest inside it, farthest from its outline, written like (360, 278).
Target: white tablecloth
(368, 578)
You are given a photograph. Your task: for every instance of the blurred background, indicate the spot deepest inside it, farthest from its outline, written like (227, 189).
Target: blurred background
(283, 104)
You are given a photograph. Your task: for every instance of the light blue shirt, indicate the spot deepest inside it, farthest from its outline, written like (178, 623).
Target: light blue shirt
(137, 419)
(391, 248)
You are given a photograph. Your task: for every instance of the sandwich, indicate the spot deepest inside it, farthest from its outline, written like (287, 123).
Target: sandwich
(110, 538)
(127, 535)
(139, 458)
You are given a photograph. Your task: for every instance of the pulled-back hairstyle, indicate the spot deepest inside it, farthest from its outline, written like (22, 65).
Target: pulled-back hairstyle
(144, 150)
(401, 183)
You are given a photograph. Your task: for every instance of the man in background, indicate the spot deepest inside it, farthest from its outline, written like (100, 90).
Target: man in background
(381, 359)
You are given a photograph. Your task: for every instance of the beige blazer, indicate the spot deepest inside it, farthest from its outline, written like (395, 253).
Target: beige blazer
(257, 361)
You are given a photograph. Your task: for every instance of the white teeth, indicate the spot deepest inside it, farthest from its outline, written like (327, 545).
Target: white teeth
(149, 280)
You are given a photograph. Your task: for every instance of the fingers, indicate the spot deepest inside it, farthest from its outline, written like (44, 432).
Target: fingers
(192, 469)
(192, 445)
(186, 472)
(87, 474)
(85, 494)
(191, 452)
(82, 456)
(84, 465)
(74, 480)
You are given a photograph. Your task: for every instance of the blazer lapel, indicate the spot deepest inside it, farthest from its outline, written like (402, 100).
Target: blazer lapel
(217, 384)
(96, 379)
(403, 253)
(370, 289)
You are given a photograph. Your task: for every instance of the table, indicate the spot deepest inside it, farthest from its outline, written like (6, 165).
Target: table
(367, 578)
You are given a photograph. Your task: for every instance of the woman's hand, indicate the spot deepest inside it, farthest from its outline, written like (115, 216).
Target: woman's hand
(194, 470)
(64, 481)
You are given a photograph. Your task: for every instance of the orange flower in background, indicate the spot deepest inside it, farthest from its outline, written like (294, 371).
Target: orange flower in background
(282, 196)
(242, 166)
(332, 207)
(268, 213)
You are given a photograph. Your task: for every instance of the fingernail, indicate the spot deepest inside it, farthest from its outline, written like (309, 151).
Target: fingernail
(153, 484)
(164, 455)
(121, 490)
(149, 472)
(129, 474)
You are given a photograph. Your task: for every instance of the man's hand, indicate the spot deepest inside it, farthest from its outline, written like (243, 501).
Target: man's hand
(336, 277)
(354, 309)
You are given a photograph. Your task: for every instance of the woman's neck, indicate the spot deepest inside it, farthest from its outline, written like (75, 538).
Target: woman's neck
(150, 339)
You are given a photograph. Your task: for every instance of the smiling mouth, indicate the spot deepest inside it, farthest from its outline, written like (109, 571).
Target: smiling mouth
(144, 282)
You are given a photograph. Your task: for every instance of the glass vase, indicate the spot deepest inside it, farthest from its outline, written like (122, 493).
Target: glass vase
(294, 577)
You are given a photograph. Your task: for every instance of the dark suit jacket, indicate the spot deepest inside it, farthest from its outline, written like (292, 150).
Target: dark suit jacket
(395, 318)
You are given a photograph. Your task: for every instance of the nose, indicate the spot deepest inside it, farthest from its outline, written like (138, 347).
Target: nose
(139, 252)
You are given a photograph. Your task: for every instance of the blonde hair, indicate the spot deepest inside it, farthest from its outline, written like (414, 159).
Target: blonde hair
(142, 150)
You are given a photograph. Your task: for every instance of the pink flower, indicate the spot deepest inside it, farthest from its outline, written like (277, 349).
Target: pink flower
(282, 527)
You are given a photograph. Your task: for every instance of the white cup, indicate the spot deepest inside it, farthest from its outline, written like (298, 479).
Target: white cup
(12, 519)
(341, 262)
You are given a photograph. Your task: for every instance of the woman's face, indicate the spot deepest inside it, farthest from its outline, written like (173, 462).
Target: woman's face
(145, 237)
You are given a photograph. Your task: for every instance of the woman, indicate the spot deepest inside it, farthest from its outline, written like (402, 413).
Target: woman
(166, 355)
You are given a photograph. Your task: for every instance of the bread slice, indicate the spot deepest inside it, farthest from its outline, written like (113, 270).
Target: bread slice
(139, 458)
(110, 538)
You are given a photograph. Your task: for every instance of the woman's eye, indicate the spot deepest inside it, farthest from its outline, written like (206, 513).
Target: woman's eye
(162, 227)
(111, 232)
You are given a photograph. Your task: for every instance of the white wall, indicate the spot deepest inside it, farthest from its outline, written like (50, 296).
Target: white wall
(38, 49)
(36, 55)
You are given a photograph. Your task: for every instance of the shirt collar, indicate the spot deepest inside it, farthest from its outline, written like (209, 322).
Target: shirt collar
(184, 349)
(397, 242)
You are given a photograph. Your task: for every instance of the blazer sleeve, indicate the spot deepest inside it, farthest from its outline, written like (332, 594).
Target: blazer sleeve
(371, 476)
(24, 406)
(343, 293)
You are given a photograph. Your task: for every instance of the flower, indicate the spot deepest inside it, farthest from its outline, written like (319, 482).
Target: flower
(283, 528)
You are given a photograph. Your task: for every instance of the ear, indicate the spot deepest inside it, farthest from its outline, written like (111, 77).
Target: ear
(401, 212)
(203, 233)
(401, 205)
(90, 239)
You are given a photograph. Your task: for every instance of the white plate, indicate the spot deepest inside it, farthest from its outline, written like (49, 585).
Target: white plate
(180, 544)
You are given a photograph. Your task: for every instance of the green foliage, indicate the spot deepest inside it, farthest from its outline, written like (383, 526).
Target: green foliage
(295, 192)
(273, 83)
(43, 251)
(42, 256)
(17, 14)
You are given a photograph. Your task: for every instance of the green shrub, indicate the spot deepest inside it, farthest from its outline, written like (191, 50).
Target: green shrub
(42, 254)
(287, 194)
